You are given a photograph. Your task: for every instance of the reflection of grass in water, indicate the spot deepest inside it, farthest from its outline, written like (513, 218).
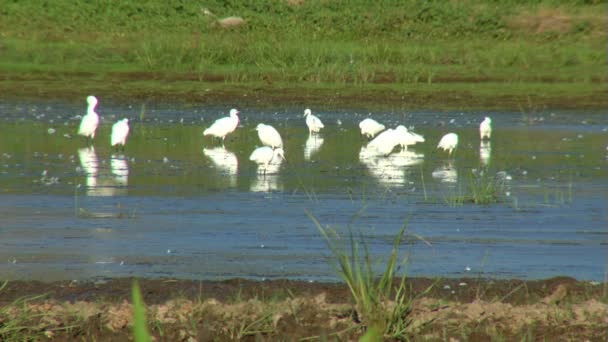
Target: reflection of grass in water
(380, 305)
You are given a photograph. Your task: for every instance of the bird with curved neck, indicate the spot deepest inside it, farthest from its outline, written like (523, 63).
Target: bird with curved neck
(90, 121)
(485, 128)
(224, 126)
(314, 123)
(120, 132)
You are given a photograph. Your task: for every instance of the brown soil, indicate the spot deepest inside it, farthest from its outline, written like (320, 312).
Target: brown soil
(212, 89)
(182, 310)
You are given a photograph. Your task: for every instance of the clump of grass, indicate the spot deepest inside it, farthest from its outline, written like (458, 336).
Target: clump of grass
(485, 189)
(381, 303)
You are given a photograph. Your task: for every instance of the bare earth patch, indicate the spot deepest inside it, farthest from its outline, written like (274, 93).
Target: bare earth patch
(180, 310)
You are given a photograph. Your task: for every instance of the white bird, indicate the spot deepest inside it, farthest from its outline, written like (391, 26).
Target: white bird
(314, 123)
(264, 155)
(370, 127)
(120, 132)
(384, 143)
(407, 137)
(448, 142)
(485, 128)
(269, 136)
(90, 121)
(224, 126)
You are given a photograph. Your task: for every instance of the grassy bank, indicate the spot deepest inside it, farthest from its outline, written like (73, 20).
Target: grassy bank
(475, 51)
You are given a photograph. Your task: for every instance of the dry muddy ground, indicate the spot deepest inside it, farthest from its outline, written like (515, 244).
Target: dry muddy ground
(181, 310)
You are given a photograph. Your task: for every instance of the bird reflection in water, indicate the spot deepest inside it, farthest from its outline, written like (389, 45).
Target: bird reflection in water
(224, 161)
(485, 152)
(392, 169)
(446, 173)
(312, 146)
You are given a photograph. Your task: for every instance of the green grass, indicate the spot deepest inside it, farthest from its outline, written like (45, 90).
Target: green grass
(382, 301)
(319, 44)
(140, 325)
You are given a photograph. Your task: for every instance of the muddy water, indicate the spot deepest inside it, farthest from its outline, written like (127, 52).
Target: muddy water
(177, 204)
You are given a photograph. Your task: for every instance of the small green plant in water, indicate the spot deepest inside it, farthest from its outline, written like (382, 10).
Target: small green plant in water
(485, 189)
(382, 303)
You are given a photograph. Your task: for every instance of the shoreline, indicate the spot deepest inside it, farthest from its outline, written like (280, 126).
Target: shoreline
(237, 309)
(529, 98)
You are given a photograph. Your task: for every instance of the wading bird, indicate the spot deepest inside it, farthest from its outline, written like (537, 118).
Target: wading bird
(120, 132)
(485, 128)
(314, 123)
(224, 126)
(407, 137)
(264, 155)
(90, 121)
(269, 136)
(370, 127)
(448, 142)
(384, 143)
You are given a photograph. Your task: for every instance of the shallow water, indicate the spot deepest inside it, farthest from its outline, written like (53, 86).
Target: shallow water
(176, 204)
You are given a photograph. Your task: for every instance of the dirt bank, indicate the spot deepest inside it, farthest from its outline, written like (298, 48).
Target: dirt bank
(454, 309)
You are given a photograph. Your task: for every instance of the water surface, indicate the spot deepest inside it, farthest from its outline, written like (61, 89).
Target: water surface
(177, 204)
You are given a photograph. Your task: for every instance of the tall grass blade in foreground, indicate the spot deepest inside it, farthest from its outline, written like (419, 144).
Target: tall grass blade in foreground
(140, 329)
(380, 304)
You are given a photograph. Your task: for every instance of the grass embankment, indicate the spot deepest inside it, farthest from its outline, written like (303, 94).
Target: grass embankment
(402, 54)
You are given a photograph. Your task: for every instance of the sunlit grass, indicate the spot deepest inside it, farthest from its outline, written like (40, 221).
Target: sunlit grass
(382, 301)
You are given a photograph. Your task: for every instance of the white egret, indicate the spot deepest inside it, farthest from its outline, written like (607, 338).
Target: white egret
(224, 126)
(448, 142)
(384, 143)
(407, 137)
(264, 156)
(90, 121)
(120, 132)
(314, 123)
(485, 128)
(370, 127)
(269, 136)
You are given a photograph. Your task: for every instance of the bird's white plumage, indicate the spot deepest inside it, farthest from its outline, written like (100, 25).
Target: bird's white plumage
(370, 127)
(90, 121)
(265, 155)
(269, 136)
(314, 123)
(384, 143)
(120, 132)
(407, 137)
(224, 126)
(448, 142)
(485, 128)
